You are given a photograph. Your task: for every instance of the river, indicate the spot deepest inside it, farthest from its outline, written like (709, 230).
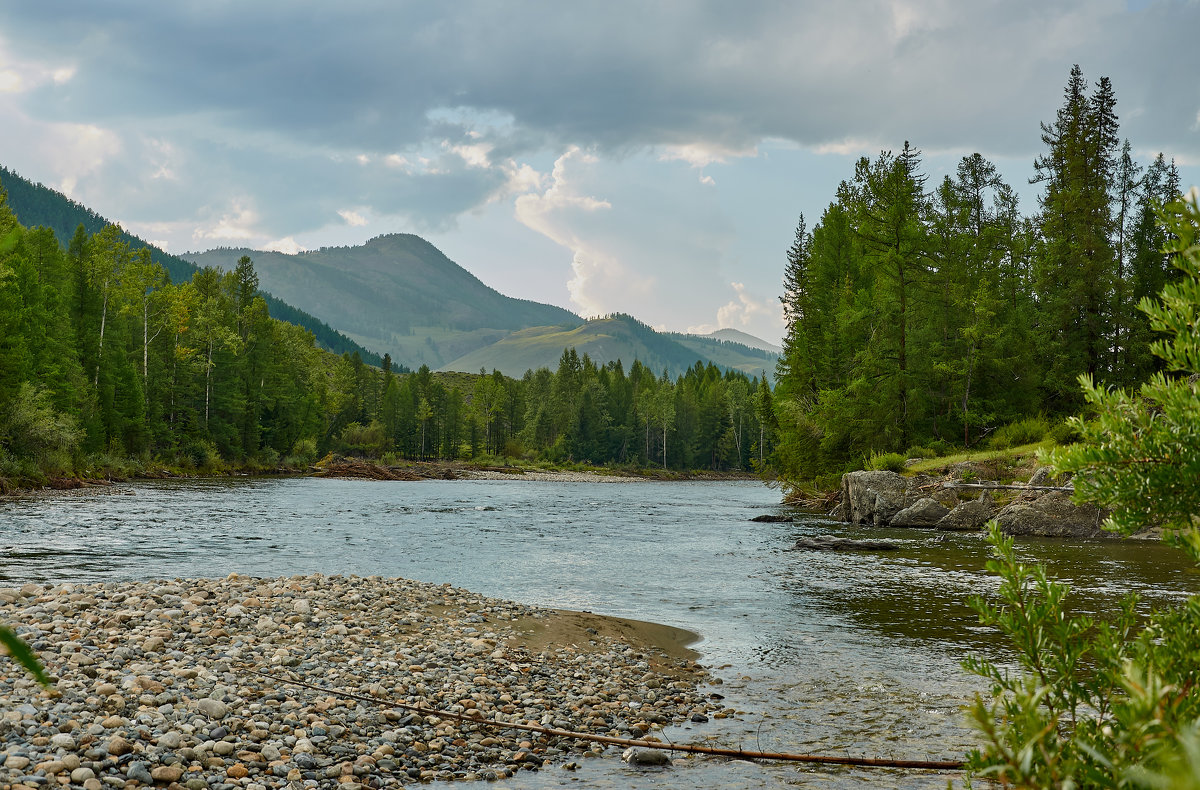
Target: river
(838, 653)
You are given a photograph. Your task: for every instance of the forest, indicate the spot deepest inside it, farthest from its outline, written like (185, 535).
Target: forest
(104, 362)
(923, 317)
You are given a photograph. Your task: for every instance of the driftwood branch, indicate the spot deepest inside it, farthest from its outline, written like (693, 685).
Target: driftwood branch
(939, 765)
(1012, 487)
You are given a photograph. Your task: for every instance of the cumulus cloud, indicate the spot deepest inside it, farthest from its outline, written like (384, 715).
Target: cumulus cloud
(352, 217)
(239, 225)
(555, 213)
(745, 311)
(286, 245)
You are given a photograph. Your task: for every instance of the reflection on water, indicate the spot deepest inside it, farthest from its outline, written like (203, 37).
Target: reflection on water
(842, 652)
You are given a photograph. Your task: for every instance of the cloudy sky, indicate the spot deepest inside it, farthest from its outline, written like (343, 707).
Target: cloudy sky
(649, 158)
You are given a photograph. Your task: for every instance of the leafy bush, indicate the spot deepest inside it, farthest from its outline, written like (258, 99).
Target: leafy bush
(918, 451)
(1065, 433)
(1096, 704)
(891, 462)
(304, 451)
(202, 454)
(37, 430)
(366, 440)
(1026, 431)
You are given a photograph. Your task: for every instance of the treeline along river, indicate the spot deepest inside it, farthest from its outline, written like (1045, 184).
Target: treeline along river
(823, 652)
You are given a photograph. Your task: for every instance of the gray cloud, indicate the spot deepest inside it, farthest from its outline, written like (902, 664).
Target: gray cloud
(277, 98)
(614, 75)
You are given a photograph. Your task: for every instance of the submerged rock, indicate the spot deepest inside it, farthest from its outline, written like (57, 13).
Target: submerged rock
(834, 543)
(773, 518)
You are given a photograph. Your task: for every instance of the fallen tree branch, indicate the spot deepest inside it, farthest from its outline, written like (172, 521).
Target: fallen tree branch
(937, 765)
(952, 484)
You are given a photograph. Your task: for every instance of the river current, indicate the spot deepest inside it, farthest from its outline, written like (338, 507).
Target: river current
(823, 652)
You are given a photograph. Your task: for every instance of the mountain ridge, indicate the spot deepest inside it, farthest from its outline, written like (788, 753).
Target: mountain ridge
(35, 204)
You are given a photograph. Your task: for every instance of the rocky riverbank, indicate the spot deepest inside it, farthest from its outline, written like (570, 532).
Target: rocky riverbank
(1039, 506)
(154, 684)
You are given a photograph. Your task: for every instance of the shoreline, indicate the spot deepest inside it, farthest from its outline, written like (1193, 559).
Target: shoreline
(153, 683)
(412, 472)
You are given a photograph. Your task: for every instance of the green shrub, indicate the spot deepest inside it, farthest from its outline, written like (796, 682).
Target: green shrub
(917, 451)
(1065, 433)
(202, 454)
(304, 451)
(941, 447)
(1026, 431)
(1095, 703)
(37, 430)
(890, 462)
(369, 440)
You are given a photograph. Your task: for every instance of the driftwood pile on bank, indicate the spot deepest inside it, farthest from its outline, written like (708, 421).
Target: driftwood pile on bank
(362, 470)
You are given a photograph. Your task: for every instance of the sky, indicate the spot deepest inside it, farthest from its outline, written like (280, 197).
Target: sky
(609, 156)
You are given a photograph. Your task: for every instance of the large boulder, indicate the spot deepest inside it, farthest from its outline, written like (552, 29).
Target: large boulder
(876, 497)
(925, 512)
(1052, 515)
(969, 516)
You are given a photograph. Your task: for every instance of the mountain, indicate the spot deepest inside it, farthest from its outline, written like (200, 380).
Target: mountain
(35, 204)
(734, 336)
(608, 339)
(397, 294)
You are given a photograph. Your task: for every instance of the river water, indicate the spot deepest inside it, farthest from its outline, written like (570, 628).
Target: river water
(836, 653)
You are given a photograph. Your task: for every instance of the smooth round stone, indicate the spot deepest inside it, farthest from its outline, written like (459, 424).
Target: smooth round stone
(62, 741)
(81, 775)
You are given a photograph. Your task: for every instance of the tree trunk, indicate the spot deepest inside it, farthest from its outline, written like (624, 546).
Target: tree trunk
(208, 381)
(100, 349)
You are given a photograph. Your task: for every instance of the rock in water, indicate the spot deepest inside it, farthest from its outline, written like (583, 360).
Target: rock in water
(646, 757)
(923, 513)
(1053, 515)
(834, 543)
(969, 516)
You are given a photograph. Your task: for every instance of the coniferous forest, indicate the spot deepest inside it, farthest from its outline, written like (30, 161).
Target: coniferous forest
(103, 359)
(920, 318)
(924, 316)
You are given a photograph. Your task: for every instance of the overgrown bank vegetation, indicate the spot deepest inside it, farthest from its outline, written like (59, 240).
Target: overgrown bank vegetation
(1111, 702)
(923, 318)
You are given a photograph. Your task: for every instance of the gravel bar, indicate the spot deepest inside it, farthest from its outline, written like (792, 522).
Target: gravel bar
(153, 688)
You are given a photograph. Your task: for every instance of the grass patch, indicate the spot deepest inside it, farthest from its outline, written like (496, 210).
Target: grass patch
(1010, 458)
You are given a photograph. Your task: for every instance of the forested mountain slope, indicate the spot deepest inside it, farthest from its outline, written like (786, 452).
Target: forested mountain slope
(36, 205)
(397, 294)
(617, 337)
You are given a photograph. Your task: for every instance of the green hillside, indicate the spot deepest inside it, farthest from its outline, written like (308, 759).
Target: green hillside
(609, 339)
(736, 336)
(37, 205)
(397, 294)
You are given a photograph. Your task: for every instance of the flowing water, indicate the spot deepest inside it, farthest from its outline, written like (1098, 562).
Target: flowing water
(848, 653)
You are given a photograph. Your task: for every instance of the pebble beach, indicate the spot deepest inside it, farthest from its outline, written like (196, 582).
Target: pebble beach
(155, 684)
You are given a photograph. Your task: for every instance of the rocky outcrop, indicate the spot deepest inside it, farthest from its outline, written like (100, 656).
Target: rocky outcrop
(888, 499)
(925, 512)
(876, 497)
(969, 516)
(1052, 515)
